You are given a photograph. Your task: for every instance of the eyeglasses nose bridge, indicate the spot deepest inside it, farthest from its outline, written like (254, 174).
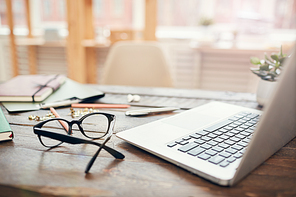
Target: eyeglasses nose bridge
(77, 122)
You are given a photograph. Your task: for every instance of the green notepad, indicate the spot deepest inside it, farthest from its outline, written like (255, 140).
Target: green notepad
(5, 130)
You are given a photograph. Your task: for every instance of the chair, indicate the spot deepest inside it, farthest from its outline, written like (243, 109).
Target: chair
(137, 63)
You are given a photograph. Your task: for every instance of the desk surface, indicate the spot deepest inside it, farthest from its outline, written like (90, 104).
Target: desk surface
(28, 168)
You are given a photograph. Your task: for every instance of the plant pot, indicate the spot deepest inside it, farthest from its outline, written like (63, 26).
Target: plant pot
(264, 91)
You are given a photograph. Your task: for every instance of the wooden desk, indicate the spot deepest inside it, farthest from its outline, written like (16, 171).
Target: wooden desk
(28, 168)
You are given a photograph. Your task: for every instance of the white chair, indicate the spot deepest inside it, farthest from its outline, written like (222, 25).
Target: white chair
(137, 63)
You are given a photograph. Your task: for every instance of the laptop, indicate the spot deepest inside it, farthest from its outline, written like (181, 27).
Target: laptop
(222, 142)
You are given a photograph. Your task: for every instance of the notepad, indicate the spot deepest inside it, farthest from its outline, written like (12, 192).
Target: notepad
(30, 87)
(5, 130)
(69, 90)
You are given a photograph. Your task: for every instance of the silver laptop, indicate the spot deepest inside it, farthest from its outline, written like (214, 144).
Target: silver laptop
(222, 142)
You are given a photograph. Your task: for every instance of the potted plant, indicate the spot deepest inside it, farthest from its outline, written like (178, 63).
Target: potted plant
(268, 70)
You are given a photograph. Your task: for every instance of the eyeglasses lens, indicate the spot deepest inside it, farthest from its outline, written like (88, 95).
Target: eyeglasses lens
(95, 126)
(56, 126)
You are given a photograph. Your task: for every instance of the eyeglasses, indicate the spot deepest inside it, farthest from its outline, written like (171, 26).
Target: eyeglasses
(95, 125)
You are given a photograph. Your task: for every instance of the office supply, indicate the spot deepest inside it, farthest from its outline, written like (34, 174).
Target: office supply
(63, 123)
(90, 105)
(68, 91)
(142, 112)
(101, 127)
(5, 131)
(30, 87)
(208, 144)
(59, 103)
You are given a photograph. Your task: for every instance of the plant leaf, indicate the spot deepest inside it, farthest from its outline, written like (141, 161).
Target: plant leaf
(265, 67)
(255, 60)
(275, 57)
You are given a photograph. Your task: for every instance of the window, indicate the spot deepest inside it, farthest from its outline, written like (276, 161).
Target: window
(255, 17)
(115, 14)
(18, 9)
(53, 10)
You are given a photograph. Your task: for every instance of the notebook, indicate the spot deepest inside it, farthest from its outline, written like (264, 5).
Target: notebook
(30, 87)
(222, 142)
(5, 131)
(69, 90)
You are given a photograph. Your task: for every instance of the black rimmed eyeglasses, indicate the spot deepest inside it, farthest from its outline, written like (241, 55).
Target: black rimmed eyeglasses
(97, 125)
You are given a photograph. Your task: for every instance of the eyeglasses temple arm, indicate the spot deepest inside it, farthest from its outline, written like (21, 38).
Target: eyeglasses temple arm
(91, 162)
(74, 140)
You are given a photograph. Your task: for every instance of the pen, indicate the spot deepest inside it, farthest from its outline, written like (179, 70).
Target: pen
(142, 112)
(55, 113)
(59, 103)
(89, 105)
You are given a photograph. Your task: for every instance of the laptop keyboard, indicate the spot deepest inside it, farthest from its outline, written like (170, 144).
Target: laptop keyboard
(222, 143)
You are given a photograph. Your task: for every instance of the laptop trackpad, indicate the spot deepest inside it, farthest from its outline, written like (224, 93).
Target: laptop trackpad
(191, 122)
(196, 118)
(201, 116)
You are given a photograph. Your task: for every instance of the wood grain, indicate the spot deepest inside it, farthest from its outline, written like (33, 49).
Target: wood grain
(13, 49)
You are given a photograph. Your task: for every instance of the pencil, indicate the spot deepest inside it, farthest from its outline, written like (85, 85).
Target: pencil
(90, 105)
(55, 113)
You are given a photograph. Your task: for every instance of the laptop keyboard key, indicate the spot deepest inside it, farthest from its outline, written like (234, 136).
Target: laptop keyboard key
(186, 138)
(206, 146)
(224, 154)
(234, 131)
(224, 137)
(199, 141)
(217, 149)
(196, 151)
(205, 138)
(219, 140)
(237, 147)
(212, 143)
(240, 136)
(218, 126)
(233, 118)
(211, 135)
(211, 152)
(223, 145)
(223, 130)
(231, 150)
(239, 129)
(231, 159)
(204, 156)
(244, 126)
(238, 155)
(195, 135)
(218, 133)
(227, 128)
(235, 139)
(172, 144)
(224, 163)
(245, 133)
(188, 147)
(216, 160)
(232, 125)
(183, 142)
(229, 142)
(252, 115)
(241, 143)
(230, 134)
